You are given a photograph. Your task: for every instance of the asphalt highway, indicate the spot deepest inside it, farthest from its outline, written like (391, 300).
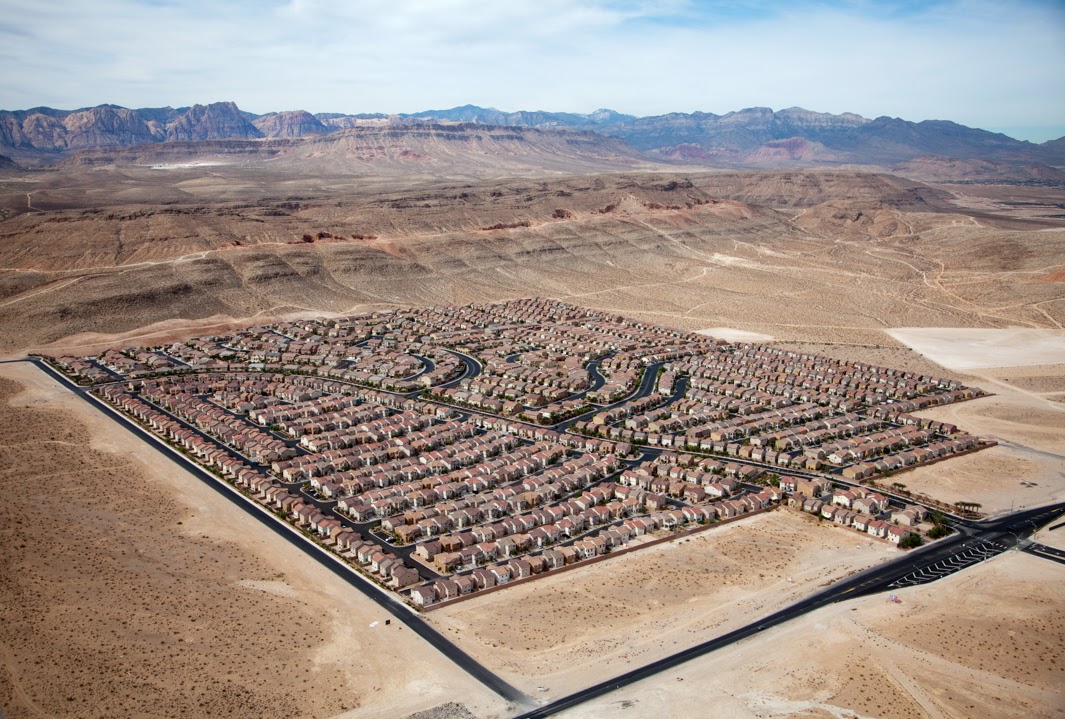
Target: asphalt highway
(1045, 552)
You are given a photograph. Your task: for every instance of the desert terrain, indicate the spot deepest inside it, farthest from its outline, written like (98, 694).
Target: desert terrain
(130, 588)
(987, 642)
(816, 256)
(570, 631)
(113, 252)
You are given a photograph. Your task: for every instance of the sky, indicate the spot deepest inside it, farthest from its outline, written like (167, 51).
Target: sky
(995, 65)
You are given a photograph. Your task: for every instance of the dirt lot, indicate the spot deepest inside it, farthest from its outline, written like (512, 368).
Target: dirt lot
(1026, 417)
(1012, 416)
(129, 588)
(578, 628)
(997, 478)
(988, 642)
(734, 335)
(1052, 535)
(973, 348)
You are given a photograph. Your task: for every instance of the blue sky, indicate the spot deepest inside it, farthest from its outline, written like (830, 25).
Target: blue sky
(986, 64)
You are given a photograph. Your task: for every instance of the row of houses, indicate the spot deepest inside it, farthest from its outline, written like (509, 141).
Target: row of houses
(373, 430)
(897, 461)
(231, 430)
(326, 528)
(585, 548)
(487, 502)
(278, 414)
(827, 508)
(808, 377)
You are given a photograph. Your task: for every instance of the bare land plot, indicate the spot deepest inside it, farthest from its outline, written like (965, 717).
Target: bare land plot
(129, 588)
(735, 335)
(1010, 416)
(987, 642)
(1031, 431)
(1046, 380)
(966, 348)
(999, 479)
(570, 631)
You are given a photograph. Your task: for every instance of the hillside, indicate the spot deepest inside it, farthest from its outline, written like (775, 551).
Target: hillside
(412, 152)
(931, 168)
(791, 254)
(761, 136)
(47, 130)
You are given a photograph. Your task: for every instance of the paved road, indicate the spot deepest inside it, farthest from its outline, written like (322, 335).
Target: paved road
(381, 597)
(1042, 550)
(598, 380)
(1004, 532)
(473, 368)
(647, 386)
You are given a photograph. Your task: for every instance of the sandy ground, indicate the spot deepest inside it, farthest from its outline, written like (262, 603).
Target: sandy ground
(734, 335)
(129, 588)
(987, 642)
(573, 630)
(1026, 416)
(974, 348)
(1052, 535)
(999, 478)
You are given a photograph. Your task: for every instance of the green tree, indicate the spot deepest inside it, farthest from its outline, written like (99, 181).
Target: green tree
(940, 530)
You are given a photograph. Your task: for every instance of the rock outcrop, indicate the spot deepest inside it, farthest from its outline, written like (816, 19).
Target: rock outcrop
(217, 121)
(297, 123)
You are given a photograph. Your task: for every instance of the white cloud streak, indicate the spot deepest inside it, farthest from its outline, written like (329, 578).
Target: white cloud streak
(979, 63)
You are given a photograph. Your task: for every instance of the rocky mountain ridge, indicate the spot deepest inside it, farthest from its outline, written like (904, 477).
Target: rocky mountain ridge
(756, 136)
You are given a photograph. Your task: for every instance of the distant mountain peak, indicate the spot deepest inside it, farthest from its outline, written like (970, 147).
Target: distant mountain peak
(753, 135)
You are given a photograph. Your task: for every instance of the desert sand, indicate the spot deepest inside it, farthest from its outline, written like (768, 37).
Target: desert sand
(975, 348)
(861, 253)
(985, 643)
(130, 588)
(1000, 479)
(735, 335)
(573, 630)
(1052, 535)
(1025, 417)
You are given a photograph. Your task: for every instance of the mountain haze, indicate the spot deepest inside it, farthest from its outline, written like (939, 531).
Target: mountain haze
(757, 136)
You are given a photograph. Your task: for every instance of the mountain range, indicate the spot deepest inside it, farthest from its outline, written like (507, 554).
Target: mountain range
(751, 137)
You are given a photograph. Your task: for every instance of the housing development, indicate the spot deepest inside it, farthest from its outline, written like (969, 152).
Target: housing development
(449, 451)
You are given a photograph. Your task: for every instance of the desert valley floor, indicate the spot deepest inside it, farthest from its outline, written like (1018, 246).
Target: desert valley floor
(129, 587)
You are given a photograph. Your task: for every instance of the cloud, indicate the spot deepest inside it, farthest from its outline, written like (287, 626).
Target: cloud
(979, 63)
